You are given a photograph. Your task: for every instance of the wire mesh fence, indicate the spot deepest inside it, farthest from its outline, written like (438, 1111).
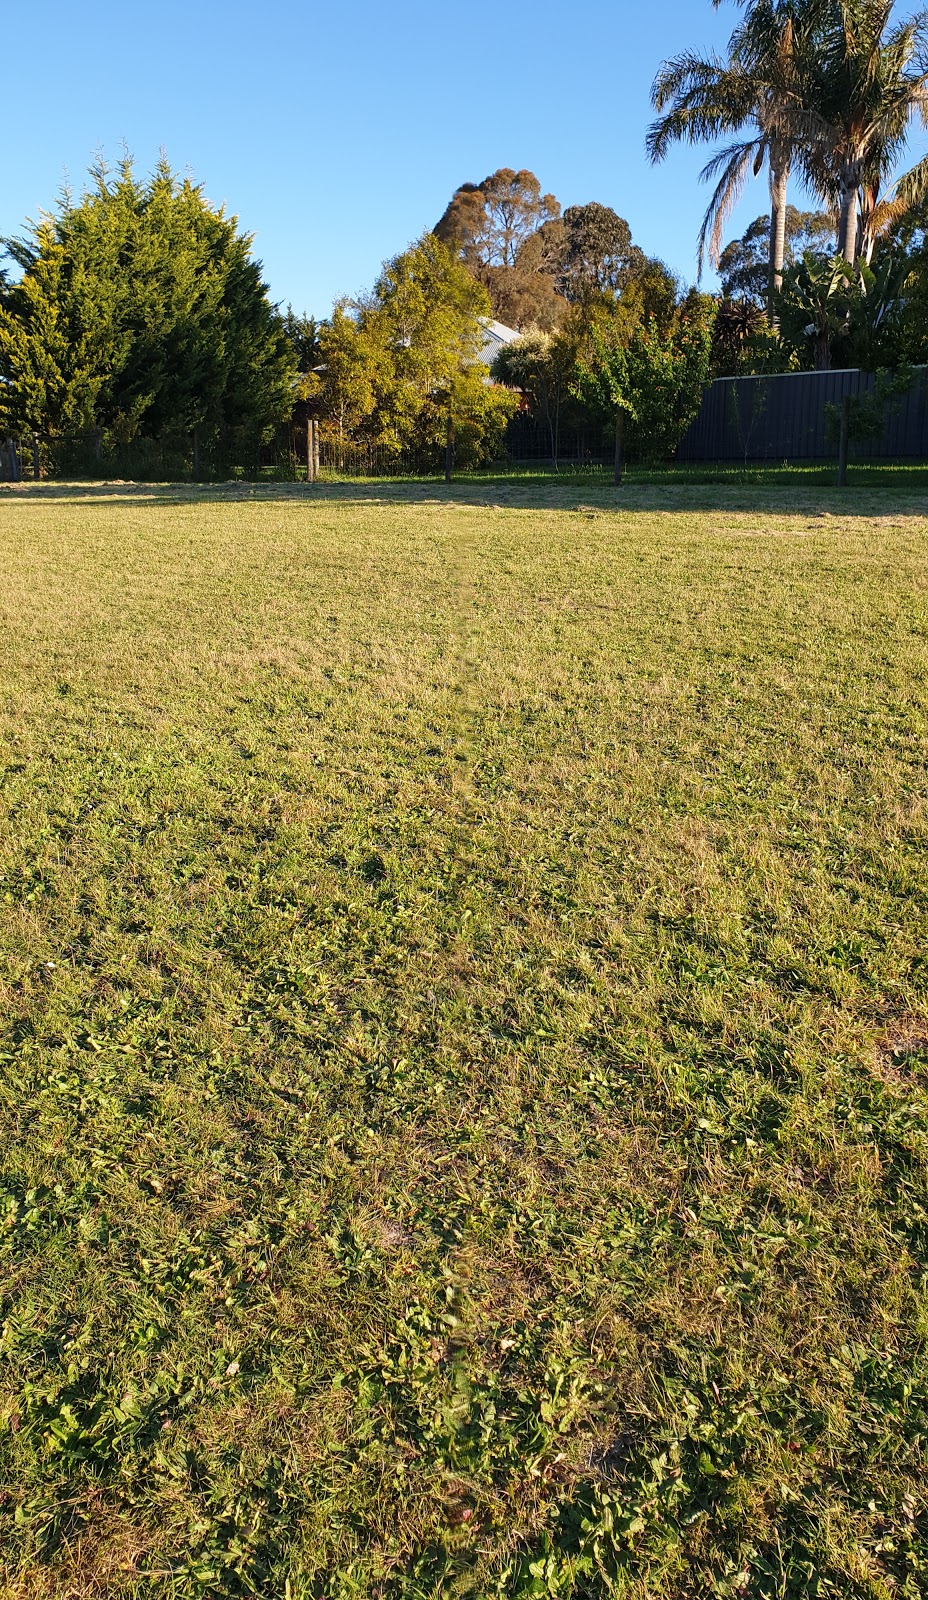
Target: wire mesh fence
(776, 417)
(290, 454)
(177, 457)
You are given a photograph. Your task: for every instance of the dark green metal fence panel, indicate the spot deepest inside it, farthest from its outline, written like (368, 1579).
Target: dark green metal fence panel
(783, 417)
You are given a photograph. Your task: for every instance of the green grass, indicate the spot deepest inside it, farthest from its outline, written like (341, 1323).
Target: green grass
(888, 476)
(463, 1044)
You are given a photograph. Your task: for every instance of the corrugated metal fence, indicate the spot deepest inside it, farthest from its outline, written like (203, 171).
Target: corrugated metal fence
(782, 417)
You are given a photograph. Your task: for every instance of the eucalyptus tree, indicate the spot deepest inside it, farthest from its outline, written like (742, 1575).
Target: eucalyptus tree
(743, 264)
(759, 94)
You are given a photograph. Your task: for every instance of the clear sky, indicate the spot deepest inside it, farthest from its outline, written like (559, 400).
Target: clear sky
(337, 133)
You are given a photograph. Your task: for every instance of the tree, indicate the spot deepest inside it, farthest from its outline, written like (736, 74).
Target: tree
(353, 369)
(650, 383)
(396, 366)
(541, 366)
(761, 89)
(302, 335)
(871, 79)
(736, 334)
(425, 311)
(487, 223)
(908, 243)
(140, 309)
(744, 263)
(828, 305)
(596, 252)
(532, 260)
(508, 235)
(649, 293)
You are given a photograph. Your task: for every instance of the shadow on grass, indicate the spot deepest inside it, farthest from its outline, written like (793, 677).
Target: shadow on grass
(902, 493)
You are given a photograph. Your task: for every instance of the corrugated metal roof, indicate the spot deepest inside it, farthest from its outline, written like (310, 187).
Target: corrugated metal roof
(496, 336)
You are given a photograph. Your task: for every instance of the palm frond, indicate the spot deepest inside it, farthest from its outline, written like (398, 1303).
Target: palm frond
(734, 164)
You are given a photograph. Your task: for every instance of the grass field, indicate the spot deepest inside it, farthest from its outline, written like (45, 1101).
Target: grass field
(890, 476)
(464, 1044)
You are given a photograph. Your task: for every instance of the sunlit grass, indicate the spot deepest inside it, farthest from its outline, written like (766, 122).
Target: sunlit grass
(464, 1045)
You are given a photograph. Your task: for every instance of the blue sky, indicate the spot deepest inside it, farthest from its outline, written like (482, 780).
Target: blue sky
(338, 133)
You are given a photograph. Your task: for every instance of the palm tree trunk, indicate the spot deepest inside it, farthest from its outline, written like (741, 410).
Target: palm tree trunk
(847, 219)
(779, 180)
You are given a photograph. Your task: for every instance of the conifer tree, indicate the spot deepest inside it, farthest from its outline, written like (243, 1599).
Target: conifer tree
(140, 310)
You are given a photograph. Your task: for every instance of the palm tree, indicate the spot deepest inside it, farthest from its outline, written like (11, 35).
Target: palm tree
(870, 82)
(759, 90)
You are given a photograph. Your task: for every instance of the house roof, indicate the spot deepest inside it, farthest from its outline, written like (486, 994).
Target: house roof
(496, 335)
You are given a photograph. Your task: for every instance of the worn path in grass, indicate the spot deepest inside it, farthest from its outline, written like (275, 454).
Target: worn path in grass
(464, 1044)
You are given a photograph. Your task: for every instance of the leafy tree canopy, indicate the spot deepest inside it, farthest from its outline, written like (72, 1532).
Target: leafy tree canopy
(652, 374)
(140, 309)
(532, 260)
(302, 334)
(832, 312)
(488, 223)
(744, 265)
(393, 366)
(597, 254)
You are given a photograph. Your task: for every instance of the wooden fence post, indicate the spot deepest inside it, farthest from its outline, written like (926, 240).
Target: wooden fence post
(36, 460)
(316, 450)
(310, 449)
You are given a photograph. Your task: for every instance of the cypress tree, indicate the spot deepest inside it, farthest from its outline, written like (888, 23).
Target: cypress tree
(140, 310)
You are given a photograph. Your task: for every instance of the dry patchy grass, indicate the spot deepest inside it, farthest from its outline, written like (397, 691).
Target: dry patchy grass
(462, 1065)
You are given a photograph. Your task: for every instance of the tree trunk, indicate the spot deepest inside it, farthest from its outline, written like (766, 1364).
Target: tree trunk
(619, 463)
(869, 199)
(779, 180)
(847, 219)
(822, 353)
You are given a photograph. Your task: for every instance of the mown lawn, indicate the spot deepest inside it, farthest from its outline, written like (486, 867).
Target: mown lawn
(464, 1044)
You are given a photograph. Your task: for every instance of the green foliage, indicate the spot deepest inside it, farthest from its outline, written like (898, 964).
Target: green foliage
(542, 366)
(302, 334)
(597, 254)
(532, 260)
(480, 414)
(833, 313)
(425, 312)
(140, 310)
(654, 376)
(643, 351)
(354, 368)
(912, 333)
(866, 413)
(744, 265)
(743, 341)
(393, 367)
